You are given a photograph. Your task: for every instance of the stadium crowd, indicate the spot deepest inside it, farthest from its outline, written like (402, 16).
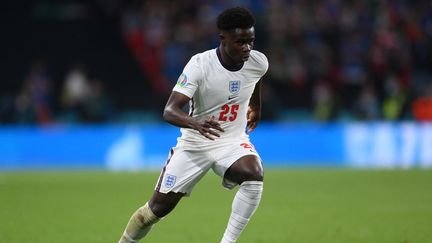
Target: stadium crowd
(336, 59)
(329, 59)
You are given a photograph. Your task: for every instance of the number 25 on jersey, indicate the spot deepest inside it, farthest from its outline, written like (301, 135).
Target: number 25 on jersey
(228, 112)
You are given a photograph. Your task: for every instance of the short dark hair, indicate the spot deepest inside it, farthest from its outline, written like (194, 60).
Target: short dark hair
(237, 17)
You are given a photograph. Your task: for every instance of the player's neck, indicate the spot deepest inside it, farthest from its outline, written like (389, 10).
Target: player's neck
(227, 62)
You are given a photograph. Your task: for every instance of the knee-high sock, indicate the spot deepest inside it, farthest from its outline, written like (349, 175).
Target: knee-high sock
(139, 225)
(245, 203)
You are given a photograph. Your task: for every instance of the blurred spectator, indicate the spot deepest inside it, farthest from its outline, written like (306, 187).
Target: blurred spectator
(145, 30)
(394, 103)
(33, 102)
(422, 106)
(75, 92)
(367, 106)
(325, 103)
(422, 109)
(97, 107)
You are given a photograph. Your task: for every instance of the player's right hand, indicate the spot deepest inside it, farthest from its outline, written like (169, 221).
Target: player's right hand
(209, 127)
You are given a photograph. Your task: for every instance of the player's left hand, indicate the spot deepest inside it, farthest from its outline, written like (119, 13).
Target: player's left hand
(253, 118)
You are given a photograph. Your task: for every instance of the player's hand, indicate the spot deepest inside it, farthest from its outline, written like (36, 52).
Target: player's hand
(253, 118)
(209, 127)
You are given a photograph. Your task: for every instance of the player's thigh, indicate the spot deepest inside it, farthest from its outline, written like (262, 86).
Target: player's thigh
(184, 168)
(239, 154)
(246, 168)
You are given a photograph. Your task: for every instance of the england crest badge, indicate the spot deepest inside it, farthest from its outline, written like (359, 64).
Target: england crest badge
(234, 87)
(170, 180)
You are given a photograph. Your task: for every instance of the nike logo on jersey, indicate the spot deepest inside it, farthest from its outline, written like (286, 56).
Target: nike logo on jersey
(232, 97)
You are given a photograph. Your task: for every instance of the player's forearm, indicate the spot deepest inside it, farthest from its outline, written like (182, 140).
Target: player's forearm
(255, 104)
(257, 112)
(178, 117)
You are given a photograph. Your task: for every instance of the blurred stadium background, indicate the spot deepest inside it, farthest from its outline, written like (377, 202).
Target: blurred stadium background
(84, 82)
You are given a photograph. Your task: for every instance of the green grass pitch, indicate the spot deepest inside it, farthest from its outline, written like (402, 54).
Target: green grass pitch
(298, 205)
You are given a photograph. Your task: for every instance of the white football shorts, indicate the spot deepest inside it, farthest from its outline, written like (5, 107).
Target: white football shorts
(187, 165)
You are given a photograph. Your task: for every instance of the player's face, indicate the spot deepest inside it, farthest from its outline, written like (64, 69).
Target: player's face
(238, 43)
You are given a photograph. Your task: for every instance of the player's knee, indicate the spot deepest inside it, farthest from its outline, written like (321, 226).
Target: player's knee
(161, 209)
(254, 173)
(163, 204)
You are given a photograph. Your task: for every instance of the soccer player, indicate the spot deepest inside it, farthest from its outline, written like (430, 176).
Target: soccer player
(222, 87)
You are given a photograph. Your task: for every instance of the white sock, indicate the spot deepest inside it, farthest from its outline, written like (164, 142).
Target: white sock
(245, 203)
(139, 225)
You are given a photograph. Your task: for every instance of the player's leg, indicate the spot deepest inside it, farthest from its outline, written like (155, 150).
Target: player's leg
(159, 205)
(143, 219)
(182, 171)
(248, 173)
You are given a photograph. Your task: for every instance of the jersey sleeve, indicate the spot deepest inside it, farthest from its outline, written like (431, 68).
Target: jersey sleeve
(264, 63)
(191, 76)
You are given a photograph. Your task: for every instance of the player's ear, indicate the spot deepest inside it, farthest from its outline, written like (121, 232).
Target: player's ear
(221, 36)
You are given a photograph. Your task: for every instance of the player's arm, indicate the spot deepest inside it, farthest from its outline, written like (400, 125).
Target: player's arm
(254, 109)
(174, 114)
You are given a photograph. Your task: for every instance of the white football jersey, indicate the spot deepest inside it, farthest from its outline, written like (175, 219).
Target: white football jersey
(221, 93)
